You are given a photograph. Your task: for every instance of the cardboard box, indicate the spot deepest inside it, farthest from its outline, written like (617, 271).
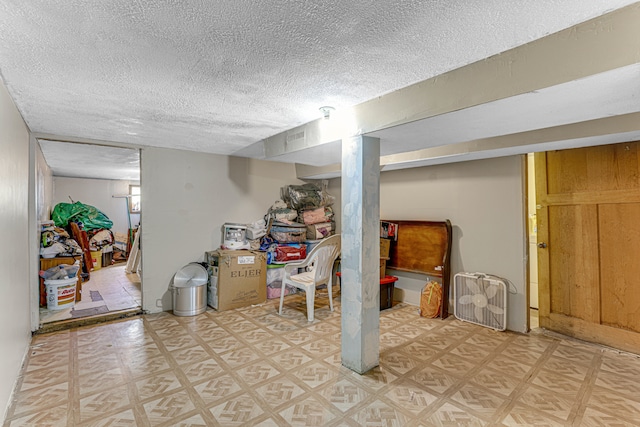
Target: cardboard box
(385, 245)
(383, 267)
(96, 259)
(237, 278)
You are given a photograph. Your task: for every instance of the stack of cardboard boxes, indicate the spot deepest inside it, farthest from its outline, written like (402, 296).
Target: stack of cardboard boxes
(385, 245)
(386, 282)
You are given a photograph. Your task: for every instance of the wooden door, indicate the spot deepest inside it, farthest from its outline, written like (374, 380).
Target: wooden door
(588, 211)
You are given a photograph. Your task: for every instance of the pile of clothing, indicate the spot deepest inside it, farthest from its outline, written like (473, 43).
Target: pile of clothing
(310, 204)
(290, 228)
(319, 222)
(294, 225)
(313, 205)
(306, 196)
(89, 227)
(303, 215)
(56, 241)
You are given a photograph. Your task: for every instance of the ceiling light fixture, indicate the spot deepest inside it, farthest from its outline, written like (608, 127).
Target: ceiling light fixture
(326, 111)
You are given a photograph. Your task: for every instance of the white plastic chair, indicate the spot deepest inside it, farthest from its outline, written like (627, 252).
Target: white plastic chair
(318, 271)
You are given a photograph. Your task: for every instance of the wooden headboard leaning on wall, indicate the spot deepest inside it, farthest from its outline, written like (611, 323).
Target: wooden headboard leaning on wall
(424, 247)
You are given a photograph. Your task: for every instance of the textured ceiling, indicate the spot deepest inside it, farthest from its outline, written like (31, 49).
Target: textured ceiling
(91, 161)
(609, 94)
(220, 76)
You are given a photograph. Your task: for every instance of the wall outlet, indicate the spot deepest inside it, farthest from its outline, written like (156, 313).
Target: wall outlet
(159, 303)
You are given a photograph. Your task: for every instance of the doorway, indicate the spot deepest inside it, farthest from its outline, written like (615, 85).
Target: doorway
(588, 227)
(101, 177)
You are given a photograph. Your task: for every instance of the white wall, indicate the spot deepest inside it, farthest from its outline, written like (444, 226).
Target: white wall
(484, 200)
(186, 198)
(98, 193)
(15, 326)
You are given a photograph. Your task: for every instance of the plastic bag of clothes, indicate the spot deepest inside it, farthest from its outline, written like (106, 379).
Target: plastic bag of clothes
(320, 231)
(288, 233)
(52, 250)
(306, 196)
(317, 216)
(275, 275)
(279, 211)
(291, 252)
(256, 230)
(64, 247)
(61, 271)
(89, 216)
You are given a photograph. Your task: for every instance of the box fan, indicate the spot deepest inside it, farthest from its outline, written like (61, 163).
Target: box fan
(481, 299)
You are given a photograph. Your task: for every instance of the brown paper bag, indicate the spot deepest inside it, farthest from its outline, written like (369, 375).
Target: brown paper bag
(431, 300)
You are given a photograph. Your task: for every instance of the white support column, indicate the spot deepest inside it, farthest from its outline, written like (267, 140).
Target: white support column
(360, 282)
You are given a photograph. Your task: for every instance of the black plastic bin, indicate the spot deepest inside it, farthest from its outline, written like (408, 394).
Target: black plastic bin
(107, 259)
(386, 291)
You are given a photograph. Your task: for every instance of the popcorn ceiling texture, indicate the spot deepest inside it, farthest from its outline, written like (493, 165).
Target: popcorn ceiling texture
(219, 76)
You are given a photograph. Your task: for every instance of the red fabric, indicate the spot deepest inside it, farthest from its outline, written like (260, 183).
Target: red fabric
(291, 253)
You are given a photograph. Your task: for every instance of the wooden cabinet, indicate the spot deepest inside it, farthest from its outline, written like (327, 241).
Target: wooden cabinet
(46, 263)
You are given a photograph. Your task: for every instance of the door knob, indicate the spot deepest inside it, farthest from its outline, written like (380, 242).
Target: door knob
(542, 245)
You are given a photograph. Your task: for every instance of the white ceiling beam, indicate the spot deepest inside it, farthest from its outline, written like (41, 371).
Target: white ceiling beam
(624, 128)
(601, 44)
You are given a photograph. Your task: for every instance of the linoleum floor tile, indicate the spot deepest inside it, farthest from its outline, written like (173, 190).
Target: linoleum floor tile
(251, 367)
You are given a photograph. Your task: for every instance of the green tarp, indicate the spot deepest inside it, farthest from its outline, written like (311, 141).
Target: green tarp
(89, 216)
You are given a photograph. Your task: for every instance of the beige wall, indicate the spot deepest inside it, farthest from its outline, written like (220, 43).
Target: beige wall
(15, 326)
(484, 200)
(186, 198)
(98, 193)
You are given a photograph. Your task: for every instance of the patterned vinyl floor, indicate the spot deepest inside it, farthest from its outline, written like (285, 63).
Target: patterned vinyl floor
(251, 367)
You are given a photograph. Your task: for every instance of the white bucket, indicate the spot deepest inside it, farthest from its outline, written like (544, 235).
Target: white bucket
(61, 293)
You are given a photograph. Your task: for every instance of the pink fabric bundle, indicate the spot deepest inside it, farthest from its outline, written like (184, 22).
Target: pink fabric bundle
(317, 216)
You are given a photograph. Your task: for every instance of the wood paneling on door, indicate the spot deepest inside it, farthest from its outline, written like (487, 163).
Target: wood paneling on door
(574, 263)
(620, 265)
(588, 203)
(593, 169)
